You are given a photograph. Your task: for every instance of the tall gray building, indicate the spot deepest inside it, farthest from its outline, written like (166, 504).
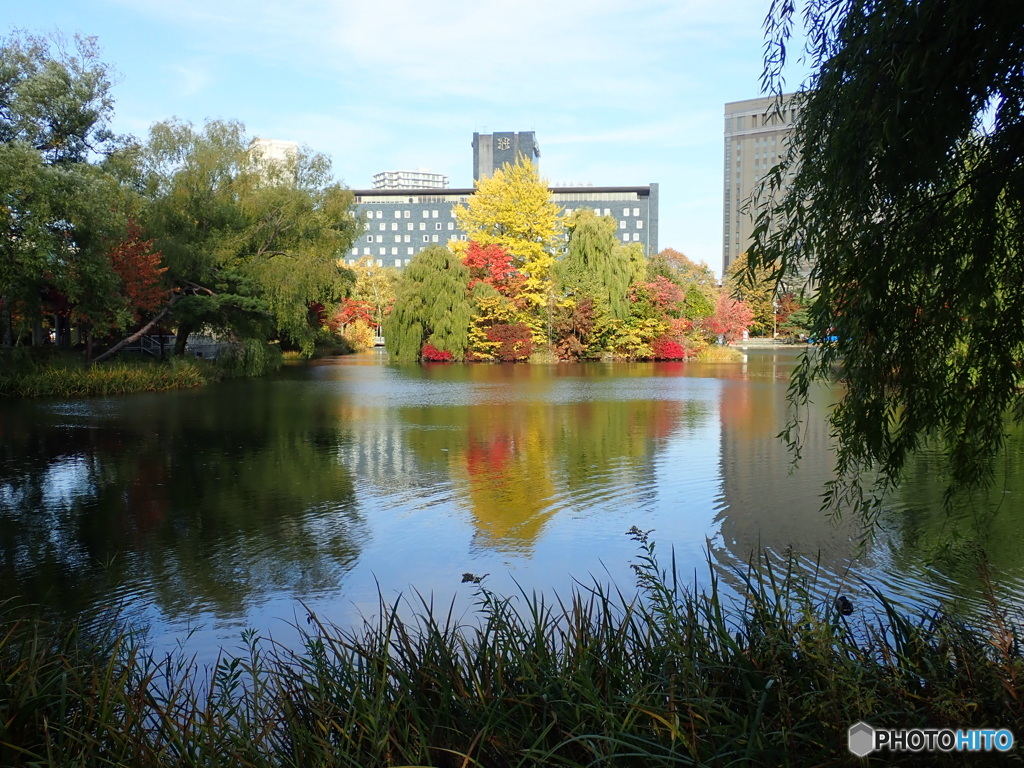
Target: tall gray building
(756, 138)
(493, 150)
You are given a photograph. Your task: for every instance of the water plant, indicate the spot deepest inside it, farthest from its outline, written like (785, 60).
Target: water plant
(765, 672)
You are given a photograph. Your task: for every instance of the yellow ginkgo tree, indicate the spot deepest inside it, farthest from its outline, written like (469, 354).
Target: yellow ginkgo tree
(513, 209)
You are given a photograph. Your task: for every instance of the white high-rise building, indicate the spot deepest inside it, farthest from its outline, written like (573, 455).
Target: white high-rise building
(418, 179)
(273, 154)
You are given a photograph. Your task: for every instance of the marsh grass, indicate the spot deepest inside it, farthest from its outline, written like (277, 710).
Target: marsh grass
(717, 353)
(662, 677)
(63, 379)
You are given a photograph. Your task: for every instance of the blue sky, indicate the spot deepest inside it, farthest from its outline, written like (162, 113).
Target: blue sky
(618, 92)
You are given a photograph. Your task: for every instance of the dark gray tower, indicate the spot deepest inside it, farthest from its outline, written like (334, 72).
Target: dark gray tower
(493, 150)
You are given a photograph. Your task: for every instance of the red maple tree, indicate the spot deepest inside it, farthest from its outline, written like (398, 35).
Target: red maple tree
(138, 266)
(492, 264)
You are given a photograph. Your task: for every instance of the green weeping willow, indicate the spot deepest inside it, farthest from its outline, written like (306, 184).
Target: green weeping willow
(901, 200)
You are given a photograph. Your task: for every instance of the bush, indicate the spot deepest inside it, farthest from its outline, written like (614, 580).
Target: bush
(515, 342)
(667, 348)
(249, 357)
(431, 354)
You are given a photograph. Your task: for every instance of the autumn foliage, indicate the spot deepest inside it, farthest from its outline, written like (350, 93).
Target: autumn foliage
(492, 264)
(139, 268)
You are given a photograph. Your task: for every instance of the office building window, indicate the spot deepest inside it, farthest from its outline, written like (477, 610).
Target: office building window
(438, 225)
(409, 226)
(426, 238)
(622, 224)
(408, 251)
(369, 238)
(383, 227)
(398, 214)
(625, 237)
(406, 214)
(434, 238)
(636, 211)
(639, 223)
(408, 238)
(625, 211)
(394, 226)
(422, 226)
(383, 252)
(426, 214)
(636, 237)
(398, 238)
(380, 262)
(398, 262)
(607, 211)
(394, 251)
(380, 214)
(355, 251)
(597, 211)
(434, 214)
(451, 226)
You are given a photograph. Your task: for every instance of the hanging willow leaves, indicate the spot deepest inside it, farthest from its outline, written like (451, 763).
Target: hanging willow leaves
(904, 196)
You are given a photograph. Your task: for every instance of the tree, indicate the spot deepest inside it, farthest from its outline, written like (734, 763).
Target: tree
(904, 194)
(431, 307)
(251, 251)
(375, 286)
(756, 287)
(731, 318)
(513, 209)
(597, 266)
(57, 218)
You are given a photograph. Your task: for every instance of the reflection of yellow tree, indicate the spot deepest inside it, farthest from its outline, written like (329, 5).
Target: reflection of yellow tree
(507, 471)
(517, 464)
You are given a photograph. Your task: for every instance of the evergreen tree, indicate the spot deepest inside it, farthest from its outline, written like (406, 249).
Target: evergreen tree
(431, 307)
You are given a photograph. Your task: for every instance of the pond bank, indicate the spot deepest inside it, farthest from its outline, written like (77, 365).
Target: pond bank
(593, 678)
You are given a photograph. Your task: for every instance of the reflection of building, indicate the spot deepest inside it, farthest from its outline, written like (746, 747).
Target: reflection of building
(402, 222)
(770, 507)
(756, 136)
(492, 151)
(421, 179)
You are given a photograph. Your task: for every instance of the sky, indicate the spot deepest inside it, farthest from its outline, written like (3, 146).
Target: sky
(618, 93)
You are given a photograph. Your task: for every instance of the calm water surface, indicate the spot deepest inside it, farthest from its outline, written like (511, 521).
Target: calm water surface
(204, 512)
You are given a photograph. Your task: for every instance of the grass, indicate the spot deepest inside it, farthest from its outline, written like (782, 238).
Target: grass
(74, 379)
(666, 678)
(716, 353)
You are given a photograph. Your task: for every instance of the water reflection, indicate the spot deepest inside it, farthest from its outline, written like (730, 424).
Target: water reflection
(227, 506)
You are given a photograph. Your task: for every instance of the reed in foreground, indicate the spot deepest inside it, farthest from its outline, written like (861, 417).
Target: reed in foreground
(667, 677)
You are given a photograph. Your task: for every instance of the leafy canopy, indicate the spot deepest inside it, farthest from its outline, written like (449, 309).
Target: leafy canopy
(513, 209)
(903, 194)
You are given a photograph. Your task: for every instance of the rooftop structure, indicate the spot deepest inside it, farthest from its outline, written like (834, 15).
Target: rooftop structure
(493, 150)
(419, 179)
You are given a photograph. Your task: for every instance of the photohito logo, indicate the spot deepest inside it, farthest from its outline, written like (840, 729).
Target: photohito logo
(862, 739)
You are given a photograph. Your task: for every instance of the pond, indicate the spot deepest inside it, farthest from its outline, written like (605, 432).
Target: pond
(200, 513)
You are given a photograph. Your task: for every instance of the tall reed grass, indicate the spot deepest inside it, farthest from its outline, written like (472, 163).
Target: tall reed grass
(115, 378)
(665, 677)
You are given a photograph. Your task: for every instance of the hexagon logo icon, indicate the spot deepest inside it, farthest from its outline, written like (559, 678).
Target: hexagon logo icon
(861, 739)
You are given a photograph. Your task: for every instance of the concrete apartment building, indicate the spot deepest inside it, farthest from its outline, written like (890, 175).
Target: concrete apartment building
(271, 152)
(401, 222)
(756, 137)
(418, 179)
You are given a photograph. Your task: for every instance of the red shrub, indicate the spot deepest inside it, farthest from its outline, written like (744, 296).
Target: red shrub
(666, 348)
(516, 342)
(431, 354)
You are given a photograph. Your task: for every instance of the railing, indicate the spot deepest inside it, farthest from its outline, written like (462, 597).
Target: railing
(157, 345)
